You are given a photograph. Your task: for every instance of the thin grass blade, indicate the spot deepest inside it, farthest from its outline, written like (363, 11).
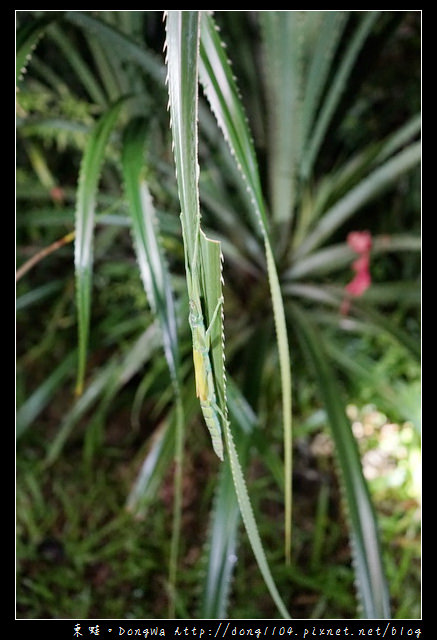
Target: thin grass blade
(38, 293)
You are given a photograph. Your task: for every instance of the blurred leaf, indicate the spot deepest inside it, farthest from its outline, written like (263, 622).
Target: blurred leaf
(221, 545)
(153, 469)
(105, 383)
(283, 48)
(85, 209)
(41, 397)
(27, 39)
(369, 571)
(336, 89)
(321, 50)
(118, 43)
(221, 548)
(370, 318)
(339, 256)
(39, 293)
(369, 187)
(145, 234)
(299, 48)
(391, 393)
(77, 61)
(157, 285)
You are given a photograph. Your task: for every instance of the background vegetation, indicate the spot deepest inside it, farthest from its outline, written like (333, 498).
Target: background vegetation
(112, 519)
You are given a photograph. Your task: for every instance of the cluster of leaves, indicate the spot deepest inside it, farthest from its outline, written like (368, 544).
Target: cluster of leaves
(279, 191)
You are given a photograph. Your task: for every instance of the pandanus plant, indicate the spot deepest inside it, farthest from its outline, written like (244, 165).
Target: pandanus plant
(257, 213)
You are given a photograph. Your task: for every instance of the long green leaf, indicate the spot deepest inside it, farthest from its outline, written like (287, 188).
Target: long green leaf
(321, 52)
(283, 47)
(221, 545)
(202, 256)
(369, 571)
(85, 209)
(204, 277)
(250, 523)
(220, 88)
(145, 231)
(220, 548)
(182, 43)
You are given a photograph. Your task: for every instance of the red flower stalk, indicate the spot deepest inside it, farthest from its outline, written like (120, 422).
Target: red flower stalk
(359, 284)
(361, 243)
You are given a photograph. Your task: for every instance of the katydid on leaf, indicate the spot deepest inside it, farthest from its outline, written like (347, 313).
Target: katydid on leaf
(205, 387)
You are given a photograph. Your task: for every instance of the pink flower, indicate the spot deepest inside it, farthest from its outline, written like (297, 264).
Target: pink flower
(360, 241)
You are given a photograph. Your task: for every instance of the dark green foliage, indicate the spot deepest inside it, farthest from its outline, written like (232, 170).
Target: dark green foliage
(120, 512)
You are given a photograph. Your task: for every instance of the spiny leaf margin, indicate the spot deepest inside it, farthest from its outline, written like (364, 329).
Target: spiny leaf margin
(227, 107)
(182, 42)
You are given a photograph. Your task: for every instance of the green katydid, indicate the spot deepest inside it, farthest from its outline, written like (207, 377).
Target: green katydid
(205, 387)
